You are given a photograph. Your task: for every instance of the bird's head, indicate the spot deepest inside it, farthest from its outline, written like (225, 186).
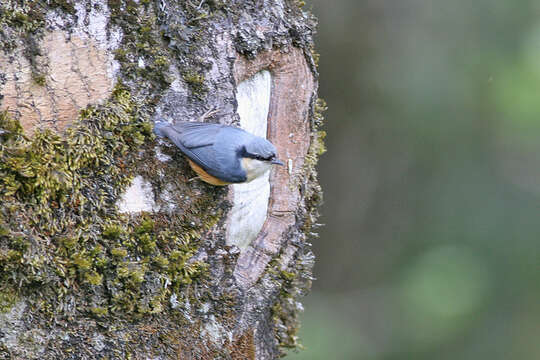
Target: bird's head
(258, 156)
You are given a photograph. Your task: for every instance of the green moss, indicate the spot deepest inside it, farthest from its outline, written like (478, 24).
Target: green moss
(162, 62)
(4, 231)
(196, 83)
(19, 17)
(287, 275)
(99, 311)
(112, 232)
(316, 57)
(119, 253)
(62, 190)
(194, 79)
(68, 243)
(147, 244)
(8, 298)
(18, 243)
(295, 280)
(66, 6)
(9, 128)
(141, 41)
(161, 262)
(81, 262)
(180, 272)
(313, 194)
(131, 274)
(318, 147)
(93, 278)
(146, 226)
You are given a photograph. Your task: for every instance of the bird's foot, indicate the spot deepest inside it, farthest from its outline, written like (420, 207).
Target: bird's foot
(208, 114)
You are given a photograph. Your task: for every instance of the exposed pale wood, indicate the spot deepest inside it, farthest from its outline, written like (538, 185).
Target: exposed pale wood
(75, 72)
(288, 128)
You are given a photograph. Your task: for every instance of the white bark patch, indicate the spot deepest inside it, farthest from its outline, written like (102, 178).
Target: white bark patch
(216, 332)
(161, 156)
(94, 23)
(250, 200)
(253, 97)
(138, 197)
(98, 340)
(12, 324)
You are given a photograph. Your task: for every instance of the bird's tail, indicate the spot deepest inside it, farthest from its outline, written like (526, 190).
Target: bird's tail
(159, 126)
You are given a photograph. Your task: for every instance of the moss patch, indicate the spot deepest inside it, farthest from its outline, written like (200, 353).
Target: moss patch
(196, 83)
(295, 280)
(142, 54)
(60, 233)
(313, 193)
(8, 298)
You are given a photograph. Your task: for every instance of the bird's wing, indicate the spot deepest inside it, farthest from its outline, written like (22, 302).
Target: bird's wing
(196, 134)
(196, 141)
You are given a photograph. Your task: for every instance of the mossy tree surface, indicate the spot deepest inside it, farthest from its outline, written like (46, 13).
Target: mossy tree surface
(79, 279)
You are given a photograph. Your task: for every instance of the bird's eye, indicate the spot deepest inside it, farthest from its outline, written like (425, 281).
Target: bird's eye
(262, 158)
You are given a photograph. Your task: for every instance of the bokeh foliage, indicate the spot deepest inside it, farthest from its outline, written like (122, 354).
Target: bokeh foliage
(431, 180)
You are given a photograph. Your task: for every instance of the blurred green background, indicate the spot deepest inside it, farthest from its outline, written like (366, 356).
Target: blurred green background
(431, 244)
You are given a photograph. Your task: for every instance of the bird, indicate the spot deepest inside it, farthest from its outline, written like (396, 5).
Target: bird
(220, 154)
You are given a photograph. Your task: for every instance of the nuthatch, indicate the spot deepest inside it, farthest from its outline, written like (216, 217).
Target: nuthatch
(220, 154)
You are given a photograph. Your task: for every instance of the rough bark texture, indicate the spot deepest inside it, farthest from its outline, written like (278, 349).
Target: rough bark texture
(107, 249)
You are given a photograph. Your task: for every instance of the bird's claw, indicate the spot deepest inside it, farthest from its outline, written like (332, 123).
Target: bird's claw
(208, 114)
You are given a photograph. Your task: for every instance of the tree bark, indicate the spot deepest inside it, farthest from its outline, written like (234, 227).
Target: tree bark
(108, 246)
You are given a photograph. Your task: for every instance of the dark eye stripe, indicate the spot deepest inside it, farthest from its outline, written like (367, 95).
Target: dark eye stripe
(261, 158)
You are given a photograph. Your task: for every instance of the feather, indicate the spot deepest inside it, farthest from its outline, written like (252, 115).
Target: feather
(194, 135)
(217, 149)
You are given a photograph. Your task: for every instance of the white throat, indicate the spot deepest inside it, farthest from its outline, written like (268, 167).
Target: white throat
(255, 168)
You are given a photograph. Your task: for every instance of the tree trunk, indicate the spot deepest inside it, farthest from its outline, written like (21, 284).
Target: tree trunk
(108, 246)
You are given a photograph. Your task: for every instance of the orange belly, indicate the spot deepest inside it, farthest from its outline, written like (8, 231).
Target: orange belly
(206, 177)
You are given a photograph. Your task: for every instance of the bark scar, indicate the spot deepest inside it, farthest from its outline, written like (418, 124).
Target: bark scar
(288, 129)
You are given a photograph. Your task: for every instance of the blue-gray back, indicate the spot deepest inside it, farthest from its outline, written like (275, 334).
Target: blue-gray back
(213, 147)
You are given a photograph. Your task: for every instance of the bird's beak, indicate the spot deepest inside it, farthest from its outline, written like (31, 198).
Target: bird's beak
(277, 162)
